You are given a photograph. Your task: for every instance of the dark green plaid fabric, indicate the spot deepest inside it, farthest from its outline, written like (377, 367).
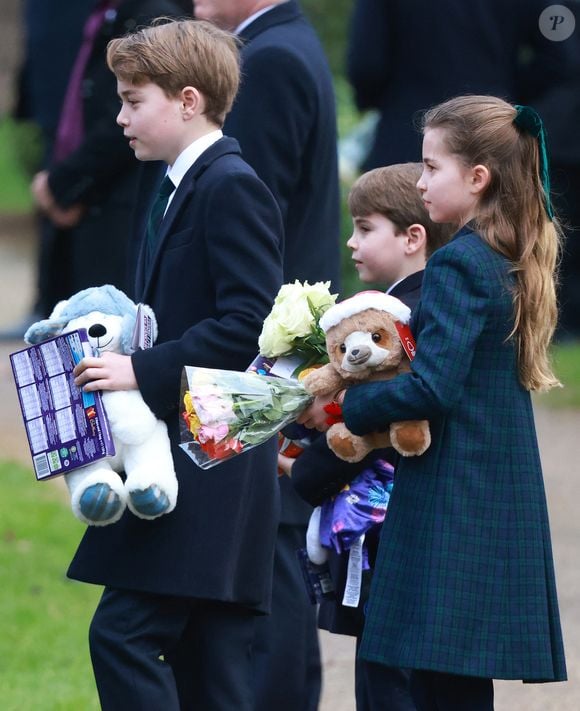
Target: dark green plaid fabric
(464, 580)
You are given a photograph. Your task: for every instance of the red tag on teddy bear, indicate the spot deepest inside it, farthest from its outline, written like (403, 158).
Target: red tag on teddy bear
(407, 340)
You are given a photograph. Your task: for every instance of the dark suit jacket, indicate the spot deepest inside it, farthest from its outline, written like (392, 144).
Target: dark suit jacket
(213, 278)
(52, 36)
(470, 47)
(318, 474)
(284, 118)
(464, 579)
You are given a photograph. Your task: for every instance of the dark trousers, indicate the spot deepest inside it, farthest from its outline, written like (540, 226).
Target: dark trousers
(152, 652)
(435, 691)
(381, 688)
(287, 668)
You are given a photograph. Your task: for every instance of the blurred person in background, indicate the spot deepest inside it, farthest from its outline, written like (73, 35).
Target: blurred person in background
(86, 189)
(407, 55)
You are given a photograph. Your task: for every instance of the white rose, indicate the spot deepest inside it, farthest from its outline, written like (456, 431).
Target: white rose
(292, 315)
(273, 340)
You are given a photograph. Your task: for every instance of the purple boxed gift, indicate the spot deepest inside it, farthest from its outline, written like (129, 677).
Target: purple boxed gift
(66, 428)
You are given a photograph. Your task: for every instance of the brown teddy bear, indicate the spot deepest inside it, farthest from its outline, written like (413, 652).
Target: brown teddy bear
(367, 338)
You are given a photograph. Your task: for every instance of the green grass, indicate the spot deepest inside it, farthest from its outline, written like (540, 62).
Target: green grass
(19, 156)
(566, 361)
(44, 658)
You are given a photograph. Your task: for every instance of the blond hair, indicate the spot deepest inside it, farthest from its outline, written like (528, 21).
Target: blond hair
(177, 53)
(392, 192)
(511, 217)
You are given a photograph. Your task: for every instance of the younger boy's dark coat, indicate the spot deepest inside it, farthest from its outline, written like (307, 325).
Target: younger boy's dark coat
(212, 281)
(320, 474)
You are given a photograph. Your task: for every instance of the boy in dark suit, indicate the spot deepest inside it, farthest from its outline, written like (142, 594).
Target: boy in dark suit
(391, 241)
(175, 625)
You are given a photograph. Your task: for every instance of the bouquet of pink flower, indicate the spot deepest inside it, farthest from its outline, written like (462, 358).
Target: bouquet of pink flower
(226, 412)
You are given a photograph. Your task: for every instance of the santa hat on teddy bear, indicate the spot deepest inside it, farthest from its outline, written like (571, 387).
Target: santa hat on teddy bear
(363, 301)
(378, 300)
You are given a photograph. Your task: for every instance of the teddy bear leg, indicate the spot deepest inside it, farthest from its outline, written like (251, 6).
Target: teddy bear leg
(346, 446)
(97, 496)
(151, 484)
(149, 503)
(410, 438)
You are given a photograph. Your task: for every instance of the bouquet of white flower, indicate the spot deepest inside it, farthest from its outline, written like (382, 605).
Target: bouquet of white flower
(292, 327)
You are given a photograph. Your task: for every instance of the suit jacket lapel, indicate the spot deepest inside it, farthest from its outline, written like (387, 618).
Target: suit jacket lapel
(181, 197)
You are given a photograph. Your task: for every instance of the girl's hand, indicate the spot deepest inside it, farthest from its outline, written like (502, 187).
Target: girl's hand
(285, 465)
(314, 416)
(111, 371)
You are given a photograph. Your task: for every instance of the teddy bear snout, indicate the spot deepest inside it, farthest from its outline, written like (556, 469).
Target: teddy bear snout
(97, 330)
(359, 355)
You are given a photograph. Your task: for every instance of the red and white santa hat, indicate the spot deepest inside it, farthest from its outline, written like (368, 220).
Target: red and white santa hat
(361, 302)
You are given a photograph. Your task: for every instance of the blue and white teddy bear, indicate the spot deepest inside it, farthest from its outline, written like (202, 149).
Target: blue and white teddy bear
(98, 494)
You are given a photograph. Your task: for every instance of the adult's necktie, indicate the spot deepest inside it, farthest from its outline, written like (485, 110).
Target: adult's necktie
(70, 131)
(156, 214)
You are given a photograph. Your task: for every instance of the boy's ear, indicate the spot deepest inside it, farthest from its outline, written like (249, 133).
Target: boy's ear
(416, 236)
(479, 178)
(191, 102)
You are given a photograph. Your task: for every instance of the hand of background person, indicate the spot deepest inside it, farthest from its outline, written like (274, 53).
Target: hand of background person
(110, 371)
(66, 217)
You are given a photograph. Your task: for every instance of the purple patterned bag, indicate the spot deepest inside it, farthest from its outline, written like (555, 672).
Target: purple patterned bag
(360, 506)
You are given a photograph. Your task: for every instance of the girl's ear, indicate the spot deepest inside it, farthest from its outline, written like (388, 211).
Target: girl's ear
(479, 178)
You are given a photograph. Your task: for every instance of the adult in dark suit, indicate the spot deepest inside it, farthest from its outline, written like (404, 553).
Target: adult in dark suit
(88, 194)
(284, 118)
(461, 47)
(192, 580)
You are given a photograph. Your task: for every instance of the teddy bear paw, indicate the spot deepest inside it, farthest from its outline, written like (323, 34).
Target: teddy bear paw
(150, 502)
(99, 505)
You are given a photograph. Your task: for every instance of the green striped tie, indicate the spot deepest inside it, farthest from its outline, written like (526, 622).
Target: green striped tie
(156, 215)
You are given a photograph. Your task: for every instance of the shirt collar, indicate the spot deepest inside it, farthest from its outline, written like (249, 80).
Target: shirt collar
(189, 155)
(248, 21)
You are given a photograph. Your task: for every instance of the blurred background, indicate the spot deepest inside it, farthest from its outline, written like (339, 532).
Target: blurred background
(44, 661)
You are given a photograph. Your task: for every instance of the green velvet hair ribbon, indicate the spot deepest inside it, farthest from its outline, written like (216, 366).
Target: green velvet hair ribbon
(527, 119)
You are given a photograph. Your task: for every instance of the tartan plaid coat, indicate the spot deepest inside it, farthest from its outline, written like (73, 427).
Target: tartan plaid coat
(464, 580)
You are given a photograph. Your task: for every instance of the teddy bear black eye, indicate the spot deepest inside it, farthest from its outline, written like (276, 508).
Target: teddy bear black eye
(342, 348)
(376, 337)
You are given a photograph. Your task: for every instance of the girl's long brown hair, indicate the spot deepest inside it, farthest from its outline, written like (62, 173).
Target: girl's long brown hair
(511, 218)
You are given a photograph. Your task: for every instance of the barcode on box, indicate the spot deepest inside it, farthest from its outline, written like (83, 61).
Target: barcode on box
(41, 466)
(66, 428)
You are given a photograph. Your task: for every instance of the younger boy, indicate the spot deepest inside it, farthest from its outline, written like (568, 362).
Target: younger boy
(174, 627)
(391, 241)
